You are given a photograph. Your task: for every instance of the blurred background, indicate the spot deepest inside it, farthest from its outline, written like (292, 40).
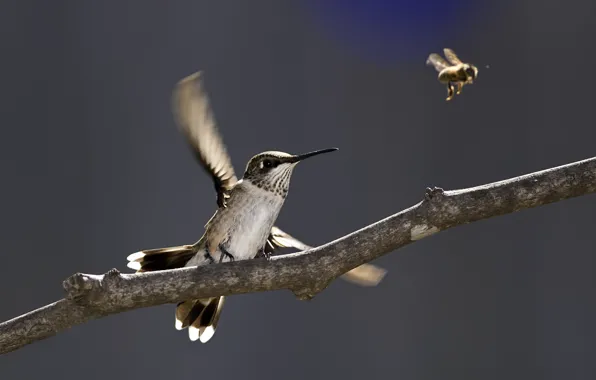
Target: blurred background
(94, 169)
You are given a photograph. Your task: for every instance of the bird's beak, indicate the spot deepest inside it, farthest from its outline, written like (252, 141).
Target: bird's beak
(300, 157)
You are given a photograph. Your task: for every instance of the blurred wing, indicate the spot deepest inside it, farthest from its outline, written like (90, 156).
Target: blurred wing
(437, 61)
(279, 239)
(364, 275)
(194, 117)
(451, 57)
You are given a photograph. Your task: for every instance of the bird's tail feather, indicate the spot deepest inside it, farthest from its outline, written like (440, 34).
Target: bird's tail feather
(200, 316)
(161, 258)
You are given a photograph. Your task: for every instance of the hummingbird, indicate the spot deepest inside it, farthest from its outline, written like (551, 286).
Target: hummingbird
(242, 227)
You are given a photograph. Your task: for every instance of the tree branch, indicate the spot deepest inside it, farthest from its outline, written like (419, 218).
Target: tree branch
(304, 273)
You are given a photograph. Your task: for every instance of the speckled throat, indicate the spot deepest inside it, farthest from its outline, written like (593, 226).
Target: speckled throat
(276, 182)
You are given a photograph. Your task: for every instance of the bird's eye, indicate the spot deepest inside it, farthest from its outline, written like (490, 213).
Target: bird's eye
(267, 163)
(470, 72)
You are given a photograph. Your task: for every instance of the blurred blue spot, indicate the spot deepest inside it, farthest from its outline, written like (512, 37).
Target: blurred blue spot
(395, 29)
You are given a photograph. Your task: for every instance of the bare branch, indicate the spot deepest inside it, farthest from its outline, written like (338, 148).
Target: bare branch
(304, 273)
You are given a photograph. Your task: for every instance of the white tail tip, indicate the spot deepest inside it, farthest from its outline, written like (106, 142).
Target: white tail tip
(193, 333)
(135, 256)
(178, 325)
(134, 265)
(207, 334)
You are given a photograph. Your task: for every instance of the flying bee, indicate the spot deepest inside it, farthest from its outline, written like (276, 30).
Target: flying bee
(454, 73)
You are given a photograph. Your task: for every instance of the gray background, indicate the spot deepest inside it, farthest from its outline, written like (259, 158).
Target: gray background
(93, 169)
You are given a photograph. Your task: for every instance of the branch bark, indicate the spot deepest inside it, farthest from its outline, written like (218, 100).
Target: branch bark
(305, 273)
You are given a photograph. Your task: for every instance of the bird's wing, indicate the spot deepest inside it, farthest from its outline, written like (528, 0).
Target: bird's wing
(193, 114)
(280, 239)
(364, 275)
(437, 61)
(451, 56)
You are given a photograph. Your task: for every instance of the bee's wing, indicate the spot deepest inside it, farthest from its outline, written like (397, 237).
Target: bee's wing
(437, 61)
(364, 275)
(451, 56)
(194, 117)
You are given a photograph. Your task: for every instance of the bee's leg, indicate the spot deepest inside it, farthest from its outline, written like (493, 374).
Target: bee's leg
(460, 86)
(449, 91)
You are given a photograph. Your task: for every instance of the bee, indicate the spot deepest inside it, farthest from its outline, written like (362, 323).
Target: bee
(454, 73)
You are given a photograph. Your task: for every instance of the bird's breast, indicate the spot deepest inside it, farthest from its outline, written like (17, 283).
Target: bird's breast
(252, 228)
(247, 220)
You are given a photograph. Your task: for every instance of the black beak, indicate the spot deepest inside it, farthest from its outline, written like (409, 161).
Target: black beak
(304, 156)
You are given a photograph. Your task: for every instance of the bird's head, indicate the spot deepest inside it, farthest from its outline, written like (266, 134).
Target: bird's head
(272, 170)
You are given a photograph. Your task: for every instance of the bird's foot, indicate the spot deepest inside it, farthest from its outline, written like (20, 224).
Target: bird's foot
(209, 257)
(266, 255)
(225, 253)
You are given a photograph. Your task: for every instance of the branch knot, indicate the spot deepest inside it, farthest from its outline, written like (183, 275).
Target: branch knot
(111, 278)
(433, 193)
(78, 285)
(315, 286)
